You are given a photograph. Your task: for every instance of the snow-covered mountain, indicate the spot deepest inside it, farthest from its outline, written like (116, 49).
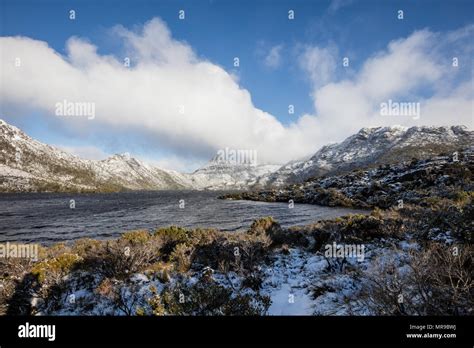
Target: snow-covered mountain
(372, 147)
(217, 175)
(132, 173)
(29, 165)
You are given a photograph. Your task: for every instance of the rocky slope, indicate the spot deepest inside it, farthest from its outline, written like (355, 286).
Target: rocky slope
(414, 182)
(372, 147)
(28, 165)
(422, 246)
(221, 176)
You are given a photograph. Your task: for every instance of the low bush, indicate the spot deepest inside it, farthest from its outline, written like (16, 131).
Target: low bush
(50, 271)
(209, 298)
(438, 281)
(181, 256)
(170, 237)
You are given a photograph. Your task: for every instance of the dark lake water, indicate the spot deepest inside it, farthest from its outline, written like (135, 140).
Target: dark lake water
(47, 218)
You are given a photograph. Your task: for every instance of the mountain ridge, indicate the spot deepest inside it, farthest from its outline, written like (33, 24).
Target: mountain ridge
(29, 165)
(373, 146)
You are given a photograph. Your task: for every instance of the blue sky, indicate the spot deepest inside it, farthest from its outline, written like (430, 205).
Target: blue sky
(217, 31)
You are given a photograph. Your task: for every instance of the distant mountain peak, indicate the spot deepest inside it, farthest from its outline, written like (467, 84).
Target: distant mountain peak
(28, 165)
(121, 157)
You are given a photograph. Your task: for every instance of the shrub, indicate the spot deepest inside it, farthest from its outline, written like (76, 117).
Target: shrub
(217, 254)
(87, 247)
(264, 226)
(463, 198)
(438, 282)
(170, 237)
(156, 303)
(201, 236)
(363, 228)
(52, 270)
(238, 252)
(53, 251)
(14, 285)
(121, 258)
(267, 227)
(160, 269)
(181, 256)
(136, 237)
(209, 298)
(332, 198)
(128, 299)
(106, 288)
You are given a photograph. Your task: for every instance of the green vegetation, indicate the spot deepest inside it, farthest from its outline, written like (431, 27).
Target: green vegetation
(52, 269)
(168, 255)
(436, 215)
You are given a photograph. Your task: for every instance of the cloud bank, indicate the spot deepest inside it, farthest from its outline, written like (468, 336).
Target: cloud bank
(194, 106)
(417, 69)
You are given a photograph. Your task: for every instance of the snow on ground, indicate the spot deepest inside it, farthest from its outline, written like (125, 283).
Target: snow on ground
(303, 283)
(294, 280)
(8, 171)
(287, 282)
(298, 282)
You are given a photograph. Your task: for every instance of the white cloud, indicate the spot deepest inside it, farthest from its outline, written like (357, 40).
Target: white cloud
(167, 77)
(319, 63)
(273, 58)
(409, 70)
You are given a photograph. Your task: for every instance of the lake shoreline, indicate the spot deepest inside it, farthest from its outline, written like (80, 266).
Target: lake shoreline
(49, 218)
(252, 272)
(412, 255)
